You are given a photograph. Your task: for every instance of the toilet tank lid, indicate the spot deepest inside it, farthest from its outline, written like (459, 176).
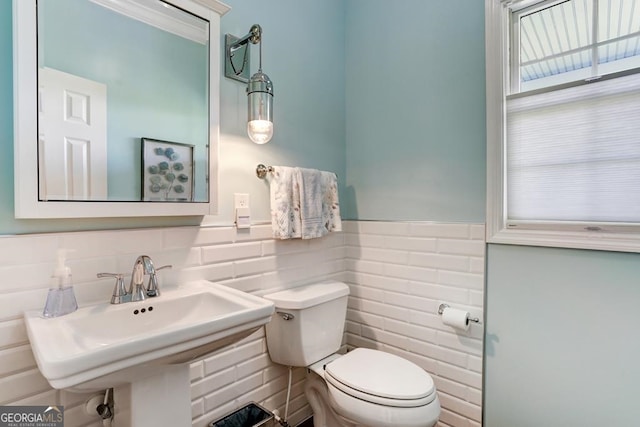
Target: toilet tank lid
(308, 295)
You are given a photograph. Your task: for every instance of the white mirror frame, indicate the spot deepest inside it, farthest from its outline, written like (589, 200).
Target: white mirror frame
(25, 80)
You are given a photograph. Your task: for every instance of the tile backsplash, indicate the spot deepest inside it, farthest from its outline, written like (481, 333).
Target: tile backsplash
(398, 273)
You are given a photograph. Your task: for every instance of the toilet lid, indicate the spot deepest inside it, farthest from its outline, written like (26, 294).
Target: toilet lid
(380, 374)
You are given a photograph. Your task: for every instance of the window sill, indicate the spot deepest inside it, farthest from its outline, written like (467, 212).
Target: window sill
(592, 240)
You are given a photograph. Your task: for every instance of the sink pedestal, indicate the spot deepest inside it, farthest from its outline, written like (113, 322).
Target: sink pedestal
(163, 399)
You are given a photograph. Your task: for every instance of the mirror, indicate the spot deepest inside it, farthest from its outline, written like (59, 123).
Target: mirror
(116, 107)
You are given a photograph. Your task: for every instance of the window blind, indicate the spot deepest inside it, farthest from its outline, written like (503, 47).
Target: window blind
(574, 154)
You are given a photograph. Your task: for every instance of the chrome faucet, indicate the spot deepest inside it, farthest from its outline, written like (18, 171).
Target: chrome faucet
(137, 291)
(142, 266)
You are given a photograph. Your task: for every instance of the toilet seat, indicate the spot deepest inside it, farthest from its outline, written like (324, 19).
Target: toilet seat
(381, 378)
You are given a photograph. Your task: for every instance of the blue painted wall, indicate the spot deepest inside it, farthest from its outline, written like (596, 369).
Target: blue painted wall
(403, 88)
(561, 341)
(415, 85)
(6, 116)
(303, 54)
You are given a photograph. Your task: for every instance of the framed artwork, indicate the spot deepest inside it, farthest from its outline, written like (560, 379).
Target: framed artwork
(167, 171)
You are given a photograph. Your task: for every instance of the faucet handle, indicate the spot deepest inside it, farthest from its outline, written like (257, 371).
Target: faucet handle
(136, 289)
(120, 293)
(153, 290)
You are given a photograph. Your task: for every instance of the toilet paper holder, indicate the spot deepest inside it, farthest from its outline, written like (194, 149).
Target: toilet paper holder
(443, 306)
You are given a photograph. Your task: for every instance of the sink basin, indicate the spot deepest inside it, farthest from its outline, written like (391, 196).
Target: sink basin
(105, 345)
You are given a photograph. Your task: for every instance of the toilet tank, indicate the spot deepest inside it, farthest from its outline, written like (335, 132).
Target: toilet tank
(308, 324)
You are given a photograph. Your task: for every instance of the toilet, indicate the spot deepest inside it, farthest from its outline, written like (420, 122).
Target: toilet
(364, 387)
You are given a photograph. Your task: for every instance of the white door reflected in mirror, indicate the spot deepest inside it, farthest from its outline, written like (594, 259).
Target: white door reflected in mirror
(72, 138)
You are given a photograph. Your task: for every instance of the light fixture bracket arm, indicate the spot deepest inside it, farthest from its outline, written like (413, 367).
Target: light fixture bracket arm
(237, 58)
(253, 36)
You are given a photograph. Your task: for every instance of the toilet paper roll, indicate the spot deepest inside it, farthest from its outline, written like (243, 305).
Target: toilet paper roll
(457, 318)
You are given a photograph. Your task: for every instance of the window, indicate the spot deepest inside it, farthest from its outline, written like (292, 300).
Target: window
(563, 123)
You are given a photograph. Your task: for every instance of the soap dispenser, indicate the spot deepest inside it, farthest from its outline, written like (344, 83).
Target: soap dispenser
(61, 299)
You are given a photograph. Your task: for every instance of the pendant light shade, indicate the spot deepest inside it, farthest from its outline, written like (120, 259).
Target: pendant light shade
(260, 108)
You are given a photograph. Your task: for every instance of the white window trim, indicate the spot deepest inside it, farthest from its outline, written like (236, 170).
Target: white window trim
(623, 238)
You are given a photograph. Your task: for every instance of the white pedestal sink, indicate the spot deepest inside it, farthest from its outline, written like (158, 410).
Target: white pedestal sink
(143, 349)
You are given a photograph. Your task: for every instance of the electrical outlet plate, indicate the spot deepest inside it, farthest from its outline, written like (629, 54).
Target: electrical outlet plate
(241, 200)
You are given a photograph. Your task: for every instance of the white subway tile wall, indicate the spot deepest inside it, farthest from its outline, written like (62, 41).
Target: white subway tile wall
(247, 259)
(398, 274)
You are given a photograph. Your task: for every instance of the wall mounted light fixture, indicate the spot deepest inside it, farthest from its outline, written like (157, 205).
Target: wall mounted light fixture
(259, 86)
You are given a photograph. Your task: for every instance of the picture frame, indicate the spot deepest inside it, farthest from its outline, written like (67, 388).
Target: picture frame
(167, 171)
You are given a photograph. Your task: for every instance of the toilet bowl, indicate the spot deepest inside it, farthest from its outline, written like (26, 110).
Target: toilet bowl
(363, 387)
